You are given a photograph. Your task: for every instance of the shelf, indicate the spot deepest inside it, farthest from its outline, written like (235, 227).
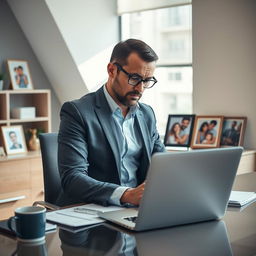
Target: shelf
(28, 155)
(25, 91)
(39, 99)
(36, 119)
(21, 175)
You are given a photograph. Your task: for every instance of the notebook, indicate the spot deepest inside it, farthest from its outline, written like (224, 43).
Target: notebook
(241, 198)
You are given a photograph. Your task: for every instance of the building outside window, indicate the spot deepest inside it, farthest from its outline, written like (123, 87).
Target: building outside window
(169, 32)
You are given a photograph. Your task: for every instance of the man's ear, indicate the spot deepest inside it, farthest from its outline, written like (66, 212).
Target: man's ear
(111, 68)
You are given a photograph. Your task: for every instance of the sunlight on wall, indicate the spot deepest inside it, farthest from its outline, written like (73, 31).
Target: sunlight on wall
(94, 70)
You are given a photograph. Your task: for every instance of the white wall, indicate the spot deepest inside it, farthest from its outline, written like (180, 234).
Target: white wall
(88, 26)
(224, 60)
(90, 30)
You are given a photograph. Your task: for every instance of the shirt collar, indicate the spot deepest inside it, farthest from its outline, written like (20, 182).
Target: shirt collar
(114, 106)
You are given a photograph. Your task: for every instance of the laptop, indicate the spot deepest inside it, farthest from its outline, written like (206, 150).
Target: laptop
(181, 188)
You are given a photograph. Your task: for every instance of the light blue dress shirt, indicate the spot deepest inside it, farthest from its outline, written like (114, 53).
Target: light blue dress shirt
(130, 144)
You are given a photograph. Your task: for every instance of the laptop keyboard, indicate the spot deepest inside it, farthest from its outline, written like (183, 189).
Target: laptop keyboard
(133, 219)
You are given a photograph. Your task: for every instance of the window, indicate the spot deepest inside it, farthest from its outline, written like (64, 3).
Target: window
(168, 32)
(175, 76)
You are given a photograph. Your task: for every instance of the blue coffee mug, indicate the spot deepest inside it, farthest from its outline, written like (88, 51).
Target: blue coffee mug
(29, 223)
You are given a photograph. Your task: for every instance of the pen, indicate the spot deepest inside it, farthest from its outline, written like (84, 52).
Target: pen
(86, 211)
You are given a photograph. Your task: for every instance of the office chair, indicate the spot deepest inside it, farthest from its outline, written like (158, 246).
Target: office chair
(52, 184)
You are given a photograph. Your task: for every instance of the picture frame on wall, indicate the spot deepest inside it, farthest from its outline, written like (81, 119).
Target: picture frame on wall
(179, 130)
(19, 75)
(233, 131)
(207, 132)
(14, 140)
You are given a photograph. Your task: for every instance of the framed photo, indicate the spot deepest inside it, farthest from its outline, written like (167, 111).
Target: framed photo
(207, 132)
(179, 130)
(233, 131)
(19, 75)
(14, 140)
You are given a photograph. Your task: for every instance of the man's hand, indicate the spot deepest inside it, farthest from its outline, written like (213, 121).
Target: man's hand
(133, 195)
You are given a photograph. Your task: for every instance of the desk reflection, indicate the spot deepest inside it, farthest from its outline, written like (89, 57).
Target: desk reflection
(208, 238)
(35, 249)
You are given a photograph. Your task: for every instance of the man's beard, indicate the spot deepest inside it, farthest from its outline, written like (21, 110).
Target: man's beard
(126, 100)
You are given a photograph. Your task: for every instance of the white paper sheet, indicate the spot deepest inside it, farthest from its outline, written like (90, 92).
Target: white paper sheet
(80, 215)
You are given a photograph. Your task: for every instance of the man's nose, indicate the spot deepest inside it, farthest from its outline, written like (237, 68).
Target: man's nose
(140, 86)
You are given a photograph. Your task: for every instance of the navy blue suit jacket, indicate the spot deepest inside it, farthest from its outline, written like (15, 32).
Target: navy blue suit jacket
(89, 151)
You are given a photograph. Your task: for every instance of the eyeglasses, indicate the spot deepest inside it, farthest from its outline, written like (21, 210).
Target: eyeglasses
(134, 79)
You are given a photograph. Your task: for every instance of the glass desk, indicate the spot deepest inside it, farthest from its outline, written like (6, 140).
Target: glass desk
(235, 234)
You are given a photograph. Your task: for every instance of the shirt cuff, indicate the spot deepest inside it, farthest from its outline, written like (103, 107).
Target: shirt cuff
(116, 196)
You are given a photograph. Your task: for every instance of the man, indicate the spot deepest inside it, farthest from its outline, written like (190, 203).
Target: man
(184, 133)
(212, 130)
(106, 138)
(14, 140)
(230, 136)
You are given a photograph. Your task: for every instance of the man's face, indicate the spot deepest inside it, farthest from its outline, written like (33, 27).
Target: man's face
(13, 137)
(233, 124)
(211, 126)
(124, 93)
(185, 123)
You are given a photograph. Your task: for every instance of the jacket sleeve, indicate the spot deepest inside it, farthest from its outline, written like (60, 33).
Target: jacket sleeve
(73, 160)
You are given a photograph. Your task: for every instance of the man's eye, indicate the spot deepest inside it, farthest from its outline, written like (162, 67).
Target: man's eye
(135, 78)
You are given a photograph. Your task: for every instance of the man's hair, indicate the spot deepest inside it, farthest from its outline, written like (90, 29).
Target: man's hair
(124, 48)
(214, 122)
(186, 118)
(12, 132)
(20, 67)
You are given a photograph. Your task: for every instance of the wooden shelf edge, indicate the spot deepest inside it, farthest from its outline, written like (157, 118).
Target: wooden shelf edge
(29, 154)
(36, 119)
(25, 91)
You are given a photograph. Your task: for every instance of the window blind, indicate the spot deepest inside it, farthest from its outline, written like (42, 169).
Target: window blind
(128, 6)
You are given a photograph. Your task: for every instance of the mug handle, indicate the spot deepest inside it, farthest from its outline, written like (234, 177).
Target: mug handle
(10, 221)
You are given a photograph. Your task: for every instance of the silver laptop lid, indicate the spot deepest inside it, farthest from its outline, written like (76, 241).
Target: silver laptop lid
(187, 187)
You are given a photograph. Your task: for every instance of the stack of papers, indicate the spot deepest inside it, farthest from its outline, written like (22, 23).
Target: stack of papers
(240, 198)
(80, 215)
(50, 227)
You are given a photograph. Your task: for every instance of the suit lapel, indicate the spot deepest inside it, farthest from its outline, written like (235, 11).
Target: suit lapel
(144, 132)
(106, 120)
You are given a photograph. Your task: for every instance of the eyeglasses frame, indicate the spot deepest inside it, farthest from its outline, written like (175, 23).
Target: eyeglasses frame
(119, 67)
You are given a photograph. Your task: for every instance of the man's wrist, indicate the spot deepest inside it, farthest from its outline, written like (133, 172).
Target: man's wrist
(116, 195)
(125, 196)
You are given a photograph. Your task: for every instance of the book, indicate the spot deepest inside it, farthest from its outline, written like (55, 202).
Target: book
(240, 198)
